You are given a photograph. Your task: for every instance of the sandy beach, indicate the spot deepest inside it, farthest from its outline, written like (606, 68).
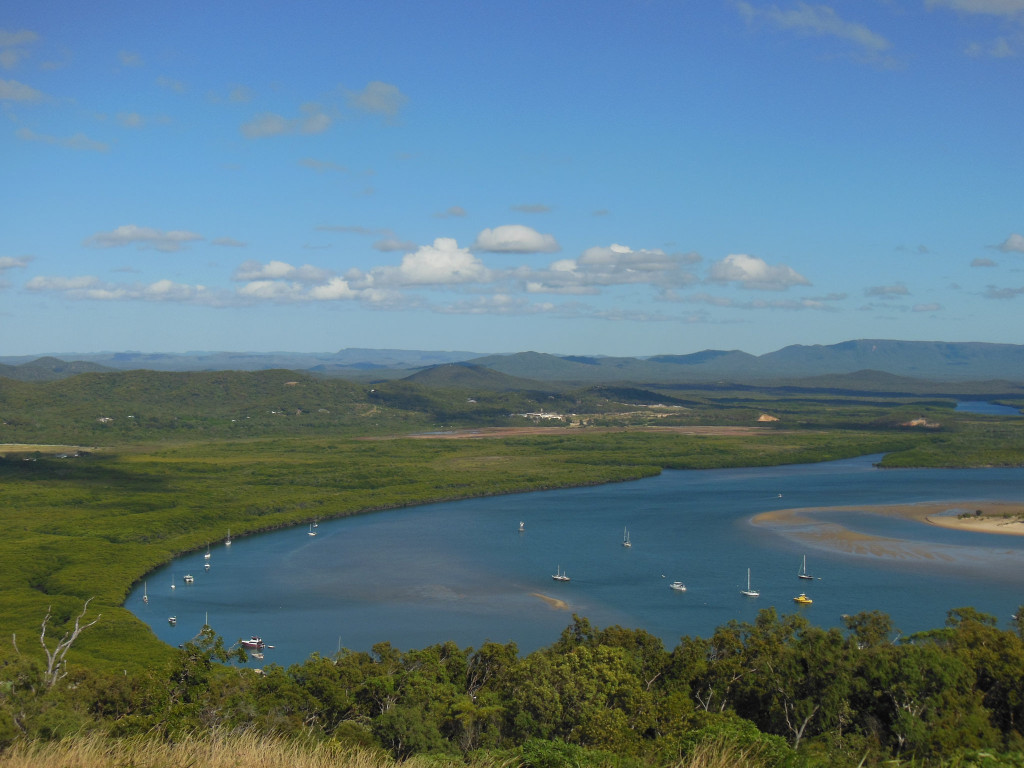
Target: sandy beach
(1000, 517)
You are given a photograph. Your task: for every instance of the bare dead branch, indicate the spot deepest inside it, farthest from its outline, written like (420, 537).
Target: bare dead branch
(56, 664)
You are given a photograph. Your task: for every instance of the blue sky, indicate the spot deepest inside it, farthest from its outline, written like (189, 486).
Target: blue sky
(619, 178)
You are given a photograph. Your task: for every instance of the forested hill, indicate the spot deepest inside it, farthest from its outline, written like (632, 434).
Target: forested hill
(928, 360)
(935, 361)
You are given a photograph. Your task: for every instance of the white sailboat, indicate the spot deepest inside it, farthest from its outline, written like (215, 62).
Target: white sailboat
(172, 581)
(625, 538)
(145, 594)
(227, 541)
(802, 573)
(559, 576)
(207, 555)
(311, 531)
(748, 591)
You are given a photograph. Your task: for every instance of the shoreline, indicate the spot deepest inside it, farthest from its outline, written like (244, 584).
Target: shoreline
(1000, 518)
(1004, 518)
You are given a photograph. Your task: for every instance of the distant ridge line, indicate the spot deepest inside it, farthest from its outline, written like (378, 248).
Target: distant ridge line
(922, 360)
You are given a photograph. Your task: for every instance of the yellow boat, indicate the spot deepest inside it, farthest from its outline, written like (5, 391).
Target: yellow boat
(802, 599)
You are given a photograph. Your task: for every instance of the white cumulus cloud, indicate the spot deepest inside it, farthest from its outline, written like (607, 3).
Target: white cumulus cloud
(896, 289)
(279, 270)
(89, 287)
(1013, 244)
(12, 90)
(441, 263)
(78, 141)
(820, 20)
(145, 237)
(603, 266)
(313, 120)
(988, 7)
(12, 46)
(335, 289)
(754, 273)
(11, 262)
(378, 98)
(515, 238)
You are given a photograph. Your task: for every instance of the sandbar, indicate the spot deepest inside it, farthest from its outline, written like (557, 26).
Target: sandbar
(994, 517)
(554, 602)
(1002, 517)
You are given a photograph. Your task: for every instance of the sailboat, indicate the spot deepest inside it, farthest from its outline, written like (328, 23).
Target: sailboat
(802, 573)
(559, 576)
(748, 591)
(145, 594)
(311, 531)
(172, 581)
(207, 555)
(227, 541)
(625, 538)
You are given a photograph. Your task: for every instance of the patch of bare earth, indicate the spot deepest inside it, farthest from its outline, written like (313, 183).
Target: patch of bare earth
(484, 432)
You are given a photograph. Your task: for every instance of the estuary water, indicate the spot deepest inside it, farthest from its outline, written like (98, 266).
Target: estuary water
(988, 409)
(463, 570)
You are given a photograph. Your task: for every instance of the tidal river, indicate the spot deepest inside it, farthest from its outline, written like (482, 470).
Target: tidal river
(464, 571)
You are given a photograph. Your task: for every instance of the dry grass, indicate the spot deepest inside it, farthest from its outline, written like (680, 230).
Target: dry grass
(248, 750)
(235, 750)
(720, 754)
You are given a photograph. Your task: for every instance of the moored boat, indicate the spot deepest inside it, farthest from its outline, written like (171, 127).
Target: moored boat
(802, 599)
(749, 592)
(802, 573)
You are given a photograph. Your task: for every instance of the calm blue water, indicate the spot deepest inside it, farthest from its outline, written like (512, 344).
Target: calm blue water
(461, 571)
(989, 409)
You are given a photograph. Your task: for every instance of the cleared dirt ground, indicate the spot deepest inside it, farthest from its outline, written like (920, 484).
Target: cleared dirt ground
(462, 434)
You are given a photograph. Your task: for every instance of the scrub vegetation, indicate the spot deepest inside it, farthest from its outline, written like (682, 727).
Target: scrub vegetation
(105, 476)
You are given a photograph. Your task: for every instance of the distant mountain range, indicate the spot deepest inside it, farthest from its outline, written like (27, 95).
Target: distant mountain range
(924, 360)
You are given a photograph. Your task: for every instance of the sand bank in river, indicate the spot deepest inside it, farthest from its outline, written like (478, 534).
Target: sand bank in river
(554, 602)
(998, 517)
